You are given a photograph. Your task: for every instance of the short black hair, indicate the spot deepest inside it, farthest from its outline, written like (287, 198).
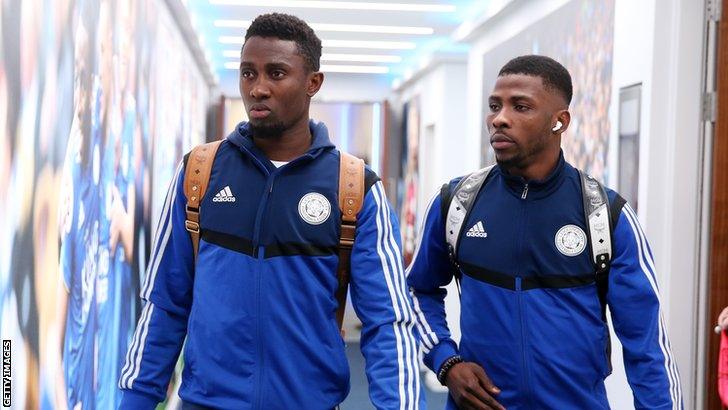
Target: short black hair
(292, 28)
(552, 73)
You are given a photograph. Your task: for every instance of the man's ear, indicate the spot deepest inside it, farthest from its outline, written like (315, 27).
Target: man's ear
(563, 117)
(315, 80)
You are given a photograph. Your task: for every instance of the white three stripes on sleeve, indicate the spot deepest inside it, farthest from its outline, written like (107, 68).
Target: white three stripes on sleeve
(164, 229)
(648, 268)
(166, 233)
(429, 338)
(394, 276)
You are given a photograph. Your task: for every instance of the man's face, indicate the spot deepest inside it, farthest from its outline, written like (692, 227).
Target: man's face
(522, 113)
(275, 85)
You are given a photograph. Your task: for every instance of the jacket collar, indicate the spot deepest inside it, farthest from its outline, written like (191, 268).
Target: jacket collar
(536, 188)
(243, 139)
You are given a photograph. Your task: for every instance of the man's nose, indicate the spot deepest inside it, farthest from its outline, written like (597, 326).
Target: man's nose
(260, 90)
(500, 119)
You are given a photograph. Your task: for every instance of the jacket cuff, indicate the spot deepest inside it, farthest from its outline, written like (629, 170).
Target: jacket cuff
(131, 399)
(439, 354)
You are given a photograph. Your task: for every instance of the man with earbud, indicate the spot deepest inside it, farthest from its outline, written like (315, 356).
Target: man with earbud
(539, 250)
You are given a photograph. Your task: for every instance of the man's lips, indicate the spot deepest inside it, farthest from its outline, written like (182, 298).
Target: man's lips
(259, 111)
(501, 141)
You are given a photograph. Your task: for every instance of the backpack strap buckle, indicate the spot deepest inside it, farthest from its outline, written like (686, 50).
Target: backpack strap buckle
(192, 227)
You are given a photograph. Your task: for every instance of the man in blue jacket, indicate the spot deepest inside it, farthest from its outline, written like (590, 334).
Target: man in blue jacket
(531, 317)
(257, 306)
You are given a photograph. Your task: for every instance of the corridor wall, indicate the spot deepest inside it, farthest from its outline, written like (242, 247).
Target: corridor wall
(99, 99)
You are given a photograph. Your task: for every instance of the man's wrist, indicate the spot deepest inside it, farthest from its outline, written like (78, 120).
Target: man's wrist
(447, 365)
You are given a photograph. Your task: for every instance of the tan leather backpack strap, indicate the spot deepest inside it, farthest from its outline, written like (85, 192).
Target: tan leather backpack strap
(197, 177)
(351, 199)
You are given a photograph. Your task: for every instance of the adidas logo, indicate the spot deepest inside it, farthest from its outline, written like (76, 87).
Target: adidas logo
(225, 195)
(477, 231)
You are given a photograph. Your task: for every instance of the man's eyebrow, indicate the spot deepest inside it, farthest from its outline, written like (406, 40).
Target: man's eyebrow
(277, 64)
(268, 66)
(519, 97)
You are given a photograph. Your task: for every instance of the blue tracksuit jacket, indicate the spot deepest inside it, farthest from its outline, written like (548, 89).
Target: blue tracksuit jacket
(530, 313)
(258, 306)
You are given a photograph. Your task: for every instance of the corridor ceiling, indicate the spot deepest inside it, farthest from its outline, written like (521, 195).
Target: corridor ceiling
(360, 38)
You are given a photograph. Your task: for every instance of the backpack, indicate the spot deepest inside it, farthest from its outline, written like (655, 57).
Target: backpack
(601, 217)
(351, 199)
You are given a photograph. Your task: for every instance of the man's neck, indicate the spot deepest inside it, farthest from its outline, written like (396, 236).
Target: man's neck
(540, 168)
(291, 144)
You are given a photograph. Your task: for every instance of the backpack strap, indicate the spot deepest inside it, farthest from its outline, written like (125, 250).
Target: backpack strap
(598, 226)
(197, 177)
(601, 218)
(351, 199)
(461, 201)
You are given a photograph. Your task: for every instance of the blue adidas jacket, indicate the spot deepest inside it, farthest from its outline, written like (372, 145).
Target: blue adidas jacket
(530, 313)
(258, 307)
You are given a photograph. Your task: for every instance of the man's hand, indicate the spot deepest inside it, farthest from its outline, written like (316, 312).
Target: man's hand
(471, 388)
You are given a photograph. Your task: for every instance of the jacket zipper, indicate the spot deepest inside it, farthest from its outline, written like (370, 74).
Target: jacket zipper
(525, 378)
(524, 375)
(525, 192)
(259, 252)
(259, 346)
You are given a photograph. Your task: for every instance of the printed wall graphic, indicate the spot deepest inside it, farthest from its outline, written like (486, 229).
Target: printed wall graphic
(88, 104)
(409, 183)
(579, 35)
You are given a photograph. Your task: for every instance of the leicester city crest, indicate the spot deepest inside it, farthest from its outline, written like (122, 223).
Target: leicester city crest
(314, 208)
(570, 240)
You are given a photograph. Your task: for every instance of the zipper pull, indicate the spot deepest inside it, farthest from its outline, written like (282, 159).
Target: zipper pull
(525, 191)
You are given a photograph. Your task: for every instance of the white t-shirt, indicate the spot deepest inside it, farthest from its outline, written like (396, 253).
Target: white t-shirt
(279, 164)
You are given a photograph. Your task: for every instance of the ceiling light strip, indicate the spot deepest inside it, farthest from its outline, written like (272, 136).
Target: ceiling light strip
(361, 69)
(340, 5)
(354, 58)
(346, 28)
(386, 45)
(361, 58)
(364, 69)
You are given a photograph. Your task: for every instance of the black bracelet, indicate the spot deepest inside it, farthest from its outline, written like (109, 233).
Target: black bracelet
(445, 368)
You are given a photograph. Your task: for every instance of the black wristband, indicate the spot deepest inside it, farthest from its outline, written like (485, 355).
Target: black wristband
(446, 366)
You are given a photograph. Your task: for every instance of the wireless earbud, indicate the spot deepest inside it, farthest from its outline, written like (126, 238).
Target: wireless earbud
(557, 126)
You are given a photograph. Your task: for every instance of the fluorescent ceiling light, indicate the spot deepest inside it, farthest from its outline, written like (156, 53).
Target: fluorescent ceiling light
(360, 58)
(349, 28)
(364, 69)
(357, 58)
(386, 45)
(239, 40)
(341, 5)
(232, 23)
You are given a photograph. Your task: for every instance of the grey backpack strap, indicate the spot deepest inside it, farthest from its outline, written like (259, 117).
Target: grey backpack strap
(599, 225)
(462, 199)
(598, 222)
